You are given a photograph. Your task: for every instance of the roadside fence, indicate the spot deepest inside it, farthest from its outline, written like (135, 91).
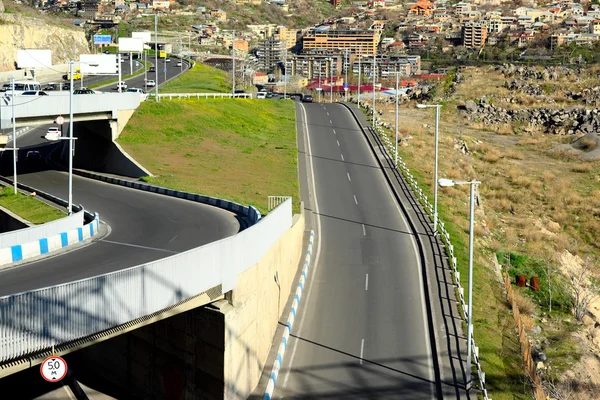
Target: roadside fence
(170, 96)
(530, 366)
(445, 237)
(274, 201)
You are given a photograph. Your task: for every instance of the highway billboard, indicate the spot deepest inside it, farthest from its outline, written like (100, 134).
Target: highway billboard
(131, 45)
(145, 36)
(34, 58)
(98, 64)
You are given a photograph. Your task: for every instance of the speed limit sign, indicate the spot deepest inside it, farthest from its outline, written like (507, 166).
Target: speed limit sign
(60, 120)
(53, 369)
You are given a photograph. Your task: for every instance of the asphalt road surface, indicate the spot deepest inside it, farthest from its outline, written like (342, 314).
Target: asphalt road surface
(361, 331)
(144, 226)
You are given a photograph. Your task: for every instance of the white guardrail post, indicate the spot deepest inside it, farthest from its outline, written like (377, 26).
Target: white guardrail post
(445, 237)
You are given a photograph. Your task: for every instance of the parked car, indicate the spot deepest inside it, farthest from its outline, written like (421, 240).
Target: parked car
(150, 83)
(261, 95)
(83, 91)
(307, 98)
(122, 85)
(52, 86)
(152, 69)
(270, 95)
(34, 93)
(66, 86)
(52, 134)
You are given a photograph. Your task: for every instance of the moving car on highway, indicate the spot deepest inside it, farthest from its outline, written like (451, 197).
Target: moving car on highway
(307, 98)
(142, 93)
(152, 69)
(122, 85)
(150, 83)
(83, 91)
(34, 93)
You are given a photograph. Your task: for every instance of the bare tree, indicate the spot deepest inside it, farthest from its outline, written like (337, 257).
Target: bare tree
(585, 288)
(559, 390)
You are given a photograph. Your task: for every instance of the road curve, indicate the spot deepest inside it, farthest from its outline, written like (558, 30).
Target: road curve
(361, 331)
(144, 227)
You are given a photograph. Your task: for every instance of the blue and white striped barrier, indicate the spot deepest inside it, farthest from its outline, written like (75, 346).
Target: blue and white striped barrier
(290, 321)
(47, 245)
(251, 212)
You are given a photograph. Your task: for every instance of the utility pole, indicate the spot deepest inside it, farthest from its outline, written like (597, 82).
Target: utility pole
(347, 65)
(155, 56)
(359, 73)
(285, 70)
(374, 73)
(396, 156)
(331, 80)
(14, 130)
(320, 88)
(233, 62)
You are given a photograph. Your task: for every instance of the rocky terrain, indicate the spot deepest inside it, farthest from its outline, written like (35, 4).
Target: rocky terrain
(20, 32)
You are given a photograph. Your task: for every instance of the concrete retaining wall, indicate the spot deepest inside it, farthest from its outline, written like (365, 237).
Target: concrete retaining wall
(257, 304)
(10, 222)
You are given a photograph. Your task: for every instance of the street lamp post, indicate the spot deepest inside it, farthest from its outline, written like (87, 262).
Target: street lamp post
(331, 80)
(347, 65)
(156, 57)
(70, 206)
(233, 62)
(14, 132)
(435, 169)
(374, 73)
(359, 72)
(319, 89)
(472, 183)
(285, 70)
(396, 156)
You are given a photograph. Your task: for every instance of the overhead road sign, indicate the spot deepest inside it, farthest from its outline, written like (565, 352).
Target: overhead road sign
(102, 39)
(53, 369)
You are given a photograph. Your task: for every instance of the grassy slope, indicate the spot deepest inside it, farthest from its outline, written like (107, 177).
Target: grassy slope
(200, 79)
(28, 207)
(240, 150)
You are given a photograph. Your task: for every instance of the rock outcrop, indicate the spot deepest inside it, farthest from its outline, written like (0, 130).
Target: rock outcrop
(18, 32)
(1, 6)
(579, 121)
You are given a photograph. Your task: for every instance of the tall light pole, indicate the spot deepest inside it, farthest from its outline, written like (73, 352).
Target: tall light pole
(331, 80)
(319, 89)
(359, 73)
(374, 73)
(435, 168)
(472, 183)
(396, 156)
(70, 206)
(285, 70)
(233, 62)
(156, 57)
(346, 81)
(14, 132)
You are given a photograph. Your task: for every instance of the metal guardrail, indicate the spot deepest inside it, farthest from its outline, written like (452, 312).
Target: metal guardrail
(446, 238)
(36, 320)
(202, 95)
(274, 201)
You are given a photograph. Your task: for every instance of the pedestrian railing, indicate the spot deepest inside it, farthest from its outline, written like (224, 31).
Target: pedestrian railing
(274, 201)
(170, 96)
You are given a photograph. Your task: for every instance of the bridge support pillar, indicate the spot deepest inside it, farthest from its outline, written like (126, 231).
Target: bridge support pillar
(114, 129)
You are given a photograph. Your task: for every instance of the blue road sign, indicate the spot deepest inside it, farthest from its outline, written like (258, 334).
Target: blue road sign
(165, 70)
(102, 39)
(345, 85)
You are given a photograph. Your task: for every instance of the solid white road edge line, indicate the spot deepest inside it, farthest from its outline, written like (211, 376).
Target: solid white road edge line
(318, 253)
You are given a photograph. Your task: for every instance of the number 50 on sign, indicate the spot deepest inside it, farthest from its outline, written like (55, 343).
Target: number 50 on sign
(53, 369)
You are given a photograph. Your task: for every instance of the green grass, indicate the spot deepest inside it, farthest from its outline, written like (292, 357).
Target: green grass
(200, 79)
(240, 150)
(494, 327)
(28, 208)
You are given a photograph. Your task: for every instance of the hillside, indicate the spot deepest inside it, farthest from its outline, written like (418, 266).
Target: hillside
(25, 28)
(530, 136)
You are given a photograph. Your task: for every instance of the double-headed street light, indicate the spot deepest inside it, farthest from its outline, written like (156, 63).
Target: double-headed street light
(435, 168)
(473, 184)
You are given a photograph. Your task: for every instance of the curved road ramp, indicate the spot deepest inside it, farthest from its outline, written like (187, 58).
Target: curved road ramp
(39, 240)
(244, 277)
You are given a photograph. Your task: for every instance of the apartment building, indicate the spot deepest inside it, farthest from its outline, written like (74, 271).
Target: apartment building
(355, 41)
(474, 34)
(595, 26)
(289, 36)
(314, 66)
(270, 54)
(406, 65)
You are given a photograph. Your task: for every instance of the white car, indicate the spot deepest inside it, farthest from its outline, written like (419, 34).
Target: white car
(52, 134)
(179, 63)
(142, 93)
(122, 85)
(261, 95)
(150, 83)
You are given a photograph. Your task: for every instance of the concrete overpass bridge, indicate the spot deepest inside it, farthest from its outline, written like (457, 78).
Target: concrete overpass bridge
(116, 108)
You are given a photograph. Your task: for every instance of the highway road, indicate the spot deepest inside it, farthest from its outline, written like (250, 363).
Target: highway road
(362, 328)
(144, 226)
